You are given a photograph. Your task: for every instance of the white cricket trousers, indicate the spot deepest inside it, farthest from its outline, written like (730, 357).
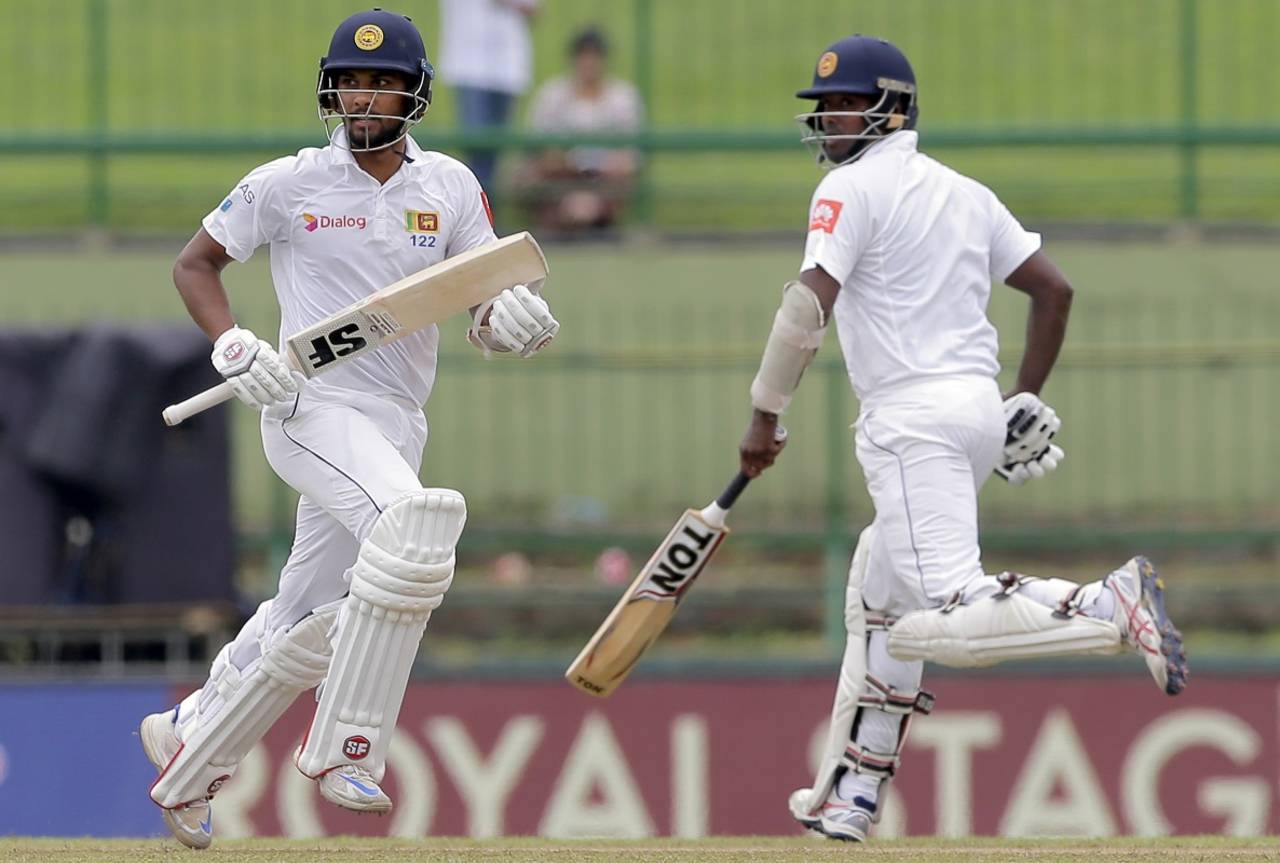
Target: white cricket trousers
(926, 449)
(348, 455)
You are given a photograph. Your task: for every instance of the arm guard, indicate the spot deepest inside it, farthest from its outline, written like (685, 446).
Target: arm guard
(794, 340)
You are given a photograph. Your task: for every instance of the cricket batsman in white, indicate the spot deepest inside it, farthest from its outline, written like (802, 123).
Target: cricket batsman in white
(902, 252)
(373, 552)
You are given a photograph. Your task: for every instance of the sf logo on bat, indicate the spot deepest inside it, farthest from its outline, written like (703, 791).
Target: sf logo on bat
(677, 563)
(339, 342)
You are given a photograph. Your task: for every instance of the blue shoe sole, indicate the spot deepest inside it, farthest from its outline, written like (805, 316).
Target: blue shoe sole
(1175, 655)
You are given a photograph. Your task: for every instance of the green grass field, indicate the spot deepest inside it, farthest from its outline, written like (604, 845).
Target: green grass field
(763, 849)
(241, 68)
(1166, 387)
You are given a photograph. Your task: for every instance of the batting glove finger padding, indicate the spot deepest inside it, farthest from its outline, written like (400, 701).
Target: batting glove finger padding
(1017, 473)
(521, 322)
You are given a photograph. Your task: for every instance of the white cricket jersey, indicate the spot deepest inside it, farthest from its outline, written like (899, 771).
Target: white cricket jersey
(915, 247)
(337, 236)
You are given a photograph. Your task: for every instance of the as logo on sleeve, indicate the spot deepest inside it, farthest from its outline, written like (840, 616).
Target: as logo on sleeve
(825, 215)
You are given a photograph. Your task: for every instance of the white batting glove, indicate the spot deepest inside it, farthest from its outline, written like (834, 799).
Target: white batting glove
(1031, 425)
(519, 322)
(1028, 449)
(257, 374)
(1016, 473)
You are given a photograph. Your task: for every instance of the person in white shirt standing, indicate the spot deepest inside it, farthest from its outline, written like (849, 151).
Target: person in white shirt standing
(486, 54)
(902, 251)
(373, 551)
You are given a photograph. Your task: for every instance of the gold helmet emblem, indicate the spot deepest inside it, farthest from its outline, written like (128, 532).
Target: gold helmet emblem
(369, 37)
(826, 63)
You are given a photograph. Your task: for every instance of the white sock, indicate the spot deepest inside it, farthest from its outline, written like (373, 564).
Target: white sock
(853, 784)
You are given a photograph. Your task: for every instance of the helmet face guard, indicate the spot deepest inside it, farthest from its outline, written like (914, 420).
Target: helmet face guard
(894, 110)
(334, 114)
(376, 41)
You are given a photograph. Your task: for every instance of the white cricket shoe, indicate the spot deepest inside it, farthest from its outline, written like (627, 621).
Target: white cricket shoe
(353, 788)
(849, 820)
(191, 823)
(1145, 625)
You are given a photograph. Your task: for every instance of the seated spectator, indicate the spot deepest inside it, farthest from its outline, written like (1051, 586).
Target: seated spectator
(582, 188)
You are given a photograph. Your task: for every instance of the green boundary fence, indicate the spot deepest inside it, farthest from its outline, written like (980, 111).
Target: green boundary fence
(1185, 86)
(1166, 387)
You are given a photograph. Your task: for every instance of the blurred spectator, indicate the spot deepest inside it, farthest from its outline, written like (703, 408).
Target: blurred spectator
(582, 188)
(511, 569)
(614, 567)
(487, 55)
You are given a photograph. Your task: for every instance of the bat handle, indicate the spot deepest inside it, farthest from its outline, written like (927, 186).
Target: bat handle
(730, 494)
(199, 402)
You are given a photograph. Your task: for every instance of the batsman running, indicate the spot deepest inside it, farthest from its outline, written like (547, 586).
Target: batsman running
(902, 252)
(373, 551)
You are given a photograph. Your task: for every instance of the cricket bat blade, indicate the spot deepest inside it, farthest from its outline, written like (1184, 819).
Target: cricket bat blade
(648, 605)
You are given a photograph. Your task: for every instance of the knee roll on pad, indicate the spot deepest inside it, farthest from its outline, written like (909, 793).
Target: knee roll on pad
(400, 576)
(406, 563)
(250, 702)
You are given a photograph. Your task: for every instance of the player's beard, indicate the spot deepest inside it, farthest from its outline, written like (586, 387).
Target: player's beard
(387, 131)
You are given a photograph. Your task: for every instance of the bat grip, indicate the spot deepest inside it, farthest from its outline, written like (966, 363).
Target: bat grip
(175, 414)
(730, 494)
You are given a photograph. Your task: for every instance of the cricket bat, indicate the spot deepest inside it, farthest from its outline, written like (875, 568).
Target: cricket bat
(650, 602)
(416, 301)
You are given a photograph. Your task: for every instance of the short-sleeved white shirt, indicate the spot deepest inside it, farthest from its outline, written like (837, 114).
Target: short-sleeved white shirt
(485, 44)
(337, 235)
(915, 247)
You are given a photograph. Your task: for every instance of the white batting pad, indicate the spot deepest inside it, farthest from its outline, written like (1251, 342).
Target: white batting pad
(400, 576)
(996, 629)
(249, 703)
(853, 673)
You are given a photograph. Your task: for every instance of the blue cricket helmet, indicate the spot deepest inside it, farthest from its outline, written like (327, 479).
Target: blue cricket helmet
(378, 39)
(868, 66)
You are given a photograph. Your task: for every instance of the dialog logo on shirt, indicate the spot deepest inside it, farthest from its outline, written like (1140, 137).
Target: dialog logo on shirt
(315, 223)
(419, 222)
(825, 215)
